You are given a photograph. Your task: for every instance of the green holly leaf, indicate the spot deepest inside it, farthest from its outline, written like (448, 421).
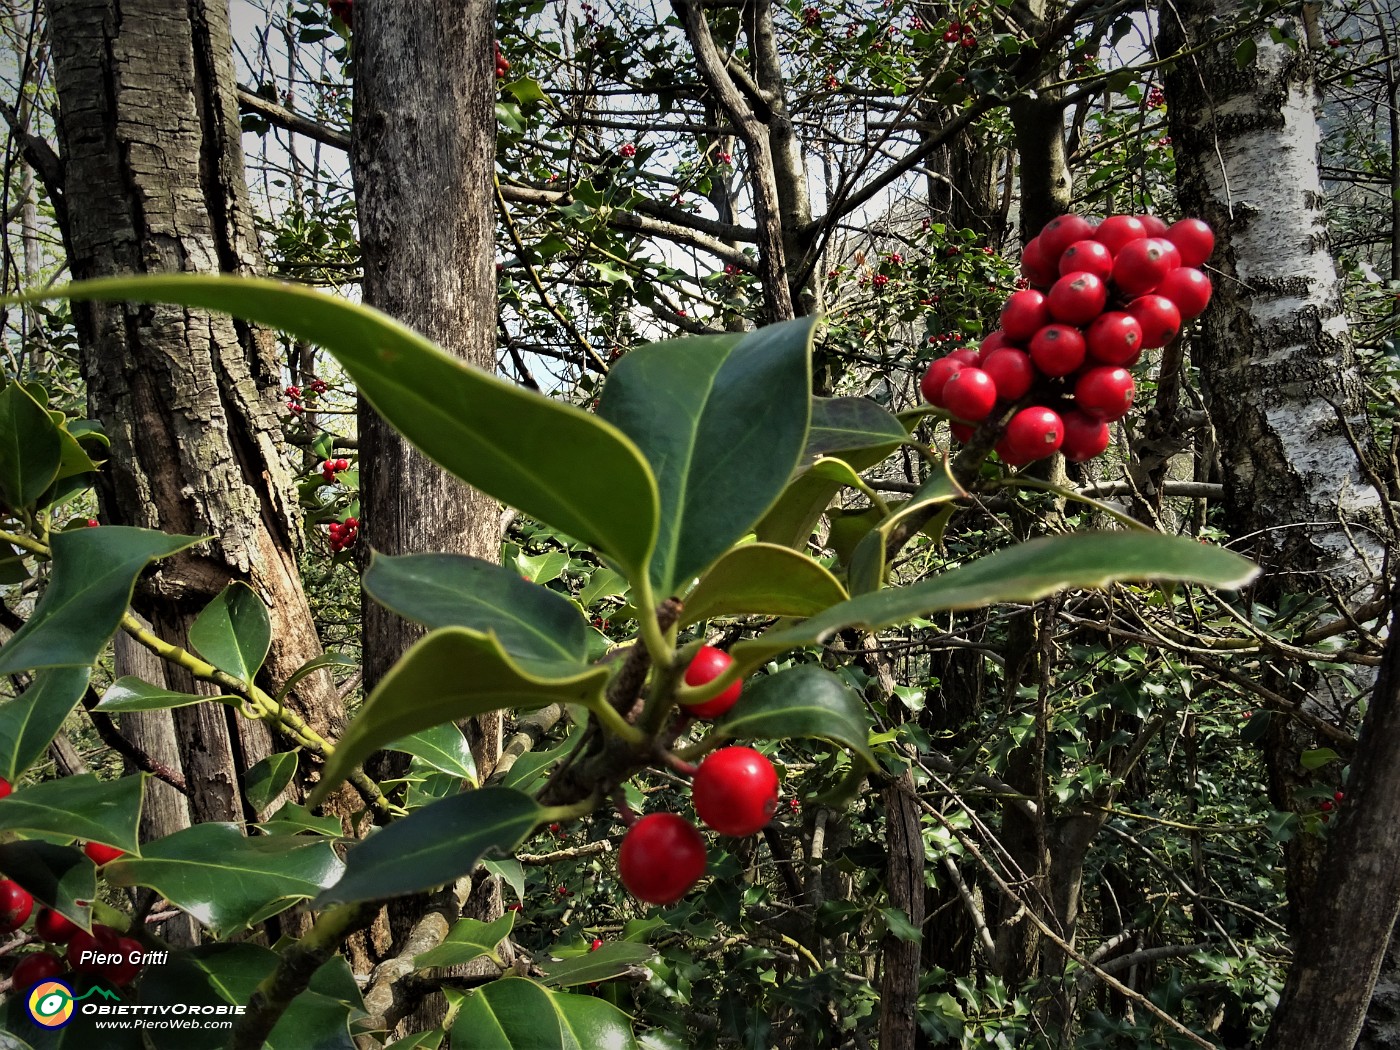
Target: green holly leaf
(765, 580)
(132, 694)
(529, 451)
(31, 448)
(226, 880)
(29, 722)
(450, 675)
(61, 877)
(94, 573)
(434, 845)
(81, 806)
(233, 632)
(723, 421)
(806, 701)
(518, 1014)
(469, 939)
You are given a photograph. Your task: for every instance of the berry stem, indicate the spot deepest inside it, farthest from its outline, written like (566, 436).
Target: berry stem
(615, 724)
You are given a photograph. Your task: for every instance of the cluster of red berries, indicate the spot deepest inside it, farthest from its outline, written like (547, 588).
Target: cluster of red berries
(628, 150)
(1328, 805)
(502, 63)
(343, 534)
(735, 792)
(960, 33)
(345, 11)
(331, 467)
(294, 404)
(1098, 296)
(811, 17)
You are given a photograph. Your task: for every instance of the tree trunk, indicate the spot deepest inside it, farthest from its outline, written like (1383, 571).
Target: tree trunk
(153, 178)
(424, 147)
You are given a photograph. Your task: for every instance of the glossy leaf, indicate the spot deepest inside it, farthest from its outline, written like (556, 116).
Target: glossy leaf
(611, 960)
(1023, 573)
(132, 694)
(529, 451)
(806, 701)
(310, 667)
(30, 721)
(542, 568)
(208, 975)
(233, 632)
(536, 626)
(451, 674)
(269, 778)
(434, 845)
(604, 583)
(469, 939)
(226, 880)
(322, 1017)
(31, 448)
(94, 572)
(443, 747)
(723, 421)
(518, 1014)
(59, 876)
(763, 579)
(292, 819)
(847, 424)
(81, 806)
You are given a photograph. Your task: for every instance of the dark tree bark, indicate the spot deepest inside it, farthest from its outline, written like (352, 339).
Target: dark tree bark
(423, 156)
(153, 182)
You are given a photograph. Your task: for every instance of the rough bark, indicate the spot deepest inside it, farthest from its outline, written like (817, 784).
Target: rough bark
(153, 176)
(899, 959)
(423, 155)
(1337, 950)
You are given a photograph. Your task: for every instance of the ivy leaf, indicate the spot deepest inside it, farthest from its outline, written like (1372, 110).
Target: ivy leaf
(722, 420)
(233, 632)
(434, 845)
(94, 573)
(450, 675)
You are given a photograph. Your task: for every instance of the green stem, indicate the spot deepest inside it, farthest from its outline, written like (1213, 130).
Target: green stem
(563, 814)
(661, 653)
(25, 543)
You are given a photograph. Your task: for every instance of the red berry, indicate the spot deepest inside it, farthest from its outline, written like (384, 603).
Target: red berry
(1114, 338)
(1057, 349)
(1159, 317)
(969, 42)
(1325, 805)
(32, 969)
(1090, 256)
(1034, 433)
(1339, 796)
(101, 854)
(950, 36)
(124, 972)
(661, 858)
(1012, 372)
(1060, 233)
(1035, 267)
(1085, 437)
(991, 342)
(709, 664)
(966, 356)
(15, 905)
(52, 926)
(1154, 226)
(1024, 314)
(597, 943)
(1077, 298)
(1193, 239)
(970, 395)
(1105, 393)
(1141, 265)
(1189, 288)
(93, 523)
(932, 384)
(5, 788)
(735, 791)
(1119, 230)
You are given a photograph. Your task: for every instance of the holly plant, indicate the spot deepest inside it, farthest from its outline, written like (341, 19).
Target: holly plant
(698, 480)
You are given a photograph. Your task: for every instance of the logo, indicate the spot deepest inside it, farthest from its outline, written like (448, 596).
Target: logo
(50, 1003)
